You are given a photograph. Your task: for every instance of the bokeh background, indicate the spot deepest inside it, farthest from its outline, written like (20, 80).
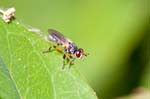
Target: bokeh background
(116, 33)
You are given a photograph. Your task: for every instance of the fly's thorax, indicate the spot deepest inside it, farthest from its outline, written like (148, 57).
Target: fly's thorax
(71, 48)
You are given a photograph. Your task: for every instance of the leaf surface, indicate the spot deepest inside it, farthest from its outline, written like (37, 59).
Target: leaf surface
(27, 73)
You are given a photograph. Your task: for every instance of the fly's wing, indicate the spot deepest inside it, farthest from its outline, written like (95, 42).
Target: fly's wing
(57, 37)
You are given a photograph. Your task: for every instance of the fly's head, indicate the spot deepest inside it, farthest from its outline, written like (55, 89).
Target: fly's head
(80, 53)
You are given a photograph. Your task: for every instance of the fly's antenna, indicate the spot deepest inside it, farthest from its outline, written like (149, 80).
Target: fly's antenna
(86, 54)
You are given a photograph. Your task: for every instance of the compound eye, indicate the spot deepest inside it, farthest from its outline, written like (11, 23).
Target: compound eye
(78, 54)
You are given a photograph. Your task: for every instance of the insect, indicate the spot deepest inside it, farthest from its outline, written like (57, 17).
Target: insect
(66, 46)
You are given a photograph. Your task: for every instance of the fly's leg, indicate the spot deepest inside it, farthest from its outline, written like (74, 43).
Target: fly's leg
(69, 59)
(64, 58)
(47, 51)
(71, 62)
(57, 47)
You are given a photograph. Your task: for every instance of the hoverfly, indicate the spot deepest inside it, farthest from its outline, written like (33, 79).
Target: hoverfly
(66, 46)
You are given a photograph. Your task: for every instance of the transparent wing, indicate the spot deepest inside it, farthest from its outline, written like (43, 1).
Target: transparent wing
(57, 37)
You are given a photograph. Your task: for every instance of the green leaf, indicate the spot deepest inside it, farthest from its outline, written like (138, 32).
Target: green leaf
(27, 73)
(7, 85)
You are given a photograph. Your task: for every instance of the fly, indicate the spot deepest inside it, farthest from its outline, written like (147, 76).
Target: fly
(66, 46)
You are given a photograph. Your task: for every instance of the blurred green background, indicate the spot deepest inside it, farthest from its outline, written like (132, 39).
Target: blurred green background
(116, 33)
